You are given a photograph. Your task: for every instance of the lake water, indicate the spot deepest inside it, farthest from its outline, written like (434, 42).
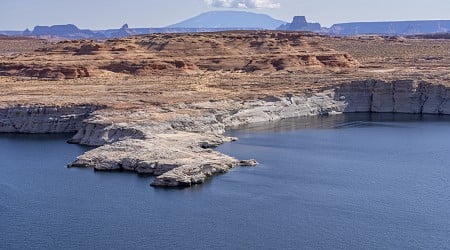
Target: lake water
(353, 182)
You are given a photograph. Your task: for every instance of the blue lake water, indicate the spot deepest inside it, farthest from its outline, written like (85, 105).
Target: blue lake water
(353, 181)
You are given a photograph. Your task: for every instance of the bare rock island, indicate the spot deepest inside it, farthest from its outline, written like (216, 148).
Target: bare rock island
(159, 104)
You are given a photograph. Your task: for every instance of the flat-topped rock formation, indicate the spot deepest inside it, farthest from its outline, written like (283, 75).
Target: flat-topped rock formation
(391, 28)
(299, 23)
(69, 31)
(160, 104)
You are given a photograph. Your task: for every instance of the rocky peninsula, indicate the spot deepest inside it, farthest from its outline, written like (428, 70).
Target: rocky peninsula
(159, 104)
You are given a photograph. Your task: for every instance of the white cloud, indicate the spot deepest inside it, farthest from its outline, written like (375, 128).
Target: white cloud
(243, 4)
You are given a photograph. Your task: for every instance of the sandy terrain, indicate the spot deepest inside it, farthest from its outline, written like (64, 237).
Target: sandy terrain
(165, 69)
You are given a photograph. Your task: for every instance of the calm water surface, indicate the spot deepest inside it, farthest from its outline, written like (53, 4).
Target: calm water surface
(354, 181)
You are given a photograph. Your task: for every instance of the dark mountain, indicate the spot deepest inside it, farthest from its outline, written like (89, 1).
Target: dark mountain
(391, 28)
(68, 31)
(123, 32)
(299, 23)
(230, 19)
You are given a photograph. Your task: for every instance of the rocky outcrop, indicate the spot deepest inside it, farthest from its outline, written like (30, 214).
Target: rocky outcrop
(299, 23)
(124, 31)
(40, 119)
(177, 158)
(45, 72)
(248, 163)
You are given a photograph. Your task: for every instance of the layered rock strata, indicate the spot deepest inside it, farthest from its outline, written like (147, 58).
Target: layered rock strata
(403, 96)
(44, 119)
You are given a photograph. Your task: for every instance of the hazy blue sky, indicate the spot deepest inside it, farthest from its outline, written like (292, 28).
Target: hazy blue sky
(100, 14)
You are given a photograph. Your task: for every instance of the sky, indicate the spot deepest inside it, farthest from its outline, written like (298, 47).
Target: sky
(103, 14)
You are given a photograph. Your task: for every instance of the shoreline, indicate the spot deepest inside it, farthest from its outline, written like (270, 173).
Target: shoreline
(179, 151)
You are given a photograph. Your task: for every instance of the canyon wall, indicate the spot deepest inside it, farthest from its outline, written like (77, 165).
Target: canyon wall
(405, 96)
(43, 119)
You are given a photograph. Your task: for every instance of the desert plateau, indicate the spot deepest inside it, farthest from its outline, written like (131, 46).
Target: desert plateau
(159, 104)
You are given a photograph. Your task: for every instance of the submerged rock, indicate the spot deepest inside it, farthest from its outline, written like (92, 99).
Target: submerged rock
(248, 163)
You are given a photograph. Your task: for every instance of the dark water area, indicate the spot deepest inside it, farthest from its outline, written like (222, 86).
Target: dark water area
(351, 182)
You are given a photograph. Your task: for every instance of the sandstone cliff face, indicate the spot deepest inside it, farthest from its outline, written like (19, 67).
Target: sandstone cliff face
(38, 119)
(406, 96)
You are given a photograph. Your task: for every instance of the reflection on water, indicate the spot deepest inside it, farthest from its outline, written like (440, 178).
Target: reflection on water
(340, 121)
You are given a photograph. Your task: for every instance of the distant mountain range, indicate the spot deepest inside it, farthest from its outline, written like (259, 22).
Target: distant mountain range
(391, 28)
(230, 19)
(206, 22)
(241, 20)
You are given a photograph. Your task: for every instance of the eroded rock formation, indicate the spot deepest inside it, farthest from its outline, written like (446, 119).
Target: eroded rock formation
(169, 53)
